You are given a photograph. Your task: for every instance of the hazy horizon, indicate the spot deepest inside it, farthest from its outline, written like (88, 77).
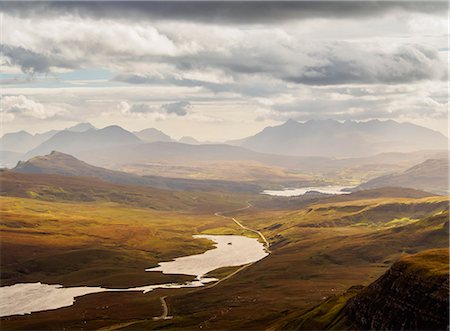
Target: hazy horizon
(178, 137)
(221, 71)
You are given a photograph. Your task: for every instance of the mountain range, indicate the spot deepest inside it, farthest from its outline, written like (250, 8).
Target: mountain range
(311, 146)
(343, 139)
(74, 142)
(22, 141)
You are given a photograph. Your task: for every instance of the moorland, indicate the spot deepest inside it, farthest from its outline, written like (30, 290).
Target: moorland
(65, 221)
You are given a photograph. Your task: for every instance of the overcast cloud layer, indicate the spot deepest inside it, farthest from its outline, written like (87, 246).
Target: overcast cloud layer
(222, 70)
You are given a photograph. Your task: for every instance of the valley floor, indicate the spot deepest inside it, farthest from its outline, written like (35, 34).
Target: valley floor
(317, 251)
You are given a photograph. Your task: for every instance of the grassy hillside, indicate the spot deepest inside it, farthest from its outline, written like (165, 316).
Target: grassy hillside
(431, 175)
(84, 189)
(99, 243)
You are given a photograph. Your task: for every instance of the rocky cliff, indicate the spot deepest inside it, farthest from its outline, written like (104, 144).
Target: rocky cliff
(412, 295)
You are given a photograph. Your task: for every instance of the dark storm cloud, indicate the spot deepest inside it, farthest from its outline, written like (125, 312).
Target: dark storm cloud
(407, 64)
(334, 64)
(221, 11)
(31, 62)
(28, 61)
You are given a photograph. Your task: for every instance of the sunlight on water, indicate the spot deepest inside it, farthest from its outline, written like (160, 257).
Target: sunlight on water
(24, 298)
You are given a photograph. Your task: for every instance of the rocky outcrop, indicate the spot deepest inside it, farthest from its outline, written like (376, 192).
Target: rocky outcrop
(412, 295)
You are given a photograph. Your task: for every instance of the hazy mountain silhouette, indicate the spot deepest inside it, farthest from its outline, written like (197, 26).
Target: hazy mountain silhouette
(151, 135)
(348, 139)
(189, 140)
(22, 141)
(81, 127)
(72, 142)
(431, 175)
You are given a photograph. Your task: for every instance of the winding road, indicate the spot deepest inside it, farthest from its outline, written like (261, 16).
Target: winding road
(165, 313)
(259, 233)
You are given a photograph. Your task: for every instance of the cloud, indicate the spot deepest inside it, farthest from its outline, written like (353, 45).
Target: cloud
(27, 60)
(169, 53)
(360, 103)
(346, 64)
(12, 106)
(223, 12)
(180, 108)
(126, 109)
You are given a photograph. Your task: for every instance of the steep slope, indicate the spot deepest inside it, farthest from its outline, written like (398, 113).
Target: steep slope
(67, 165)
(349, 139)
(151, 135)
(431, 175)
(72, 142)
(411, 295)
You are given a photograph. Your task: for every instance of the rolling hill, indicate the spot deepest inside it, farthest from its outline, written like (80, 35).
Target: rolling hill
(348, 139)
(431, 175)
(67, 165)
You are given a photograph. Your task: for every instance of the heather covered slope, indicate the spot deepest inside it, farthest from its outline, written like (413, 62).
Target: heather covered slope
(431, 175)
(411, 295)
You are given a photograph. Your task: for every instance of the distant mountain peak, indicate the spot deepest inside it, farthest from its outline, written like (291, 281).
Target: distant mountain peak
(332, 138)
(113, 128)
(150, 135)
(290, 123)
(81, 127)
(188, 140)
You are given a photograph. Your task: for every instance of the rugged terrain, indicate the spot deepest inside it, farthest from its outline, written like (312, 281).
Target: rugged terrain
(411, 295)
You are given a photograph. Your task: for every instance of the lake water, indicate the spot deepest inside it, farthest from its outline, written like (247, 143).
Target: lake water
(229, 251)
(290, 192)
(24, 298)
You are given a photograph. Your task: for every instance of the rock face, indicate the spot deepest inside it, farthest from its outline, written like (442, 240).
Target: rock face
(409, 296)
(412, 295)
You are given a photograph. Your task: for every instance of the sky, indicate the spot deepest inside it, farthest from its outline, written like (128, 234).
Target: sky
(222, 70)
